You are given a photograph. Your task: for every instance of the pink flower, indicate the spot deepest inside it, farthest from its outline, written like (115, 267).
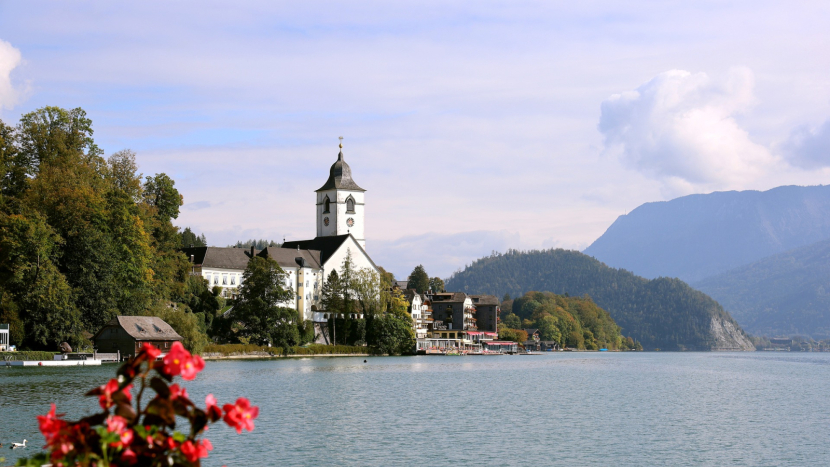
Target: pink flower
(177, 391)
(241, 415)
(116, 424)
(180, 362)
(212, 409)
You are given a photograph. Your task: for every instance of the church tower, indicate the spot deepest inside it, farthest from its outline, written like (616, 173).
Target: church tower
(340, 208)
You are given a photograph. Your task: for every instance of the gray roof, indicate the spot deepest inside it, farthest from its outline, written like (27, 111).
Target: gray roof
(144, 328)
(219, 257)
(327, 246)
(448, 297)
(340, 176)
(485, 300)
(287, 258)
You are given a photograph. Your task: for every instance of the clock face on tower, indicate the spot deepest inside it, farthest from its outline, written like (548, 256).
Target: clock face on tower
(326, 221)
(350, 222)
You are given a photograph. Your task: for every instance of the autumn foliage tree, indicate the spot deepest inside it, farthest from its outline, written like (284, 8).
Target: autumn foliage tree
(82, 237)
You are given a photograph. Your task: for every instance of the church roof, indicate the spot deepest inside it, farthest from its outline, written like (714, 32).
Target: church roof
(218, 257)
(288, 258)
(340, 176)
(327, 246)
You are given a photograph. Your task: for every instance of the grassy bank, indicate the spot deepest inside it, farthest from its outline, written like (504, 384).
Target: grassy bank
(27, 355)
(237, 350)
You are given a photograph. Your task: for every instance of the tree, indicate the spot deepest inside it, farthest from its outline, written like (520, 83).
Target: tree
(436, 284)
(160, 192)
(124, 174)
(419, 279)
(191, 239)
(513, 335)
(185, 323)
(386, 276)
(260, 307)
(389, 334)
(511, 321)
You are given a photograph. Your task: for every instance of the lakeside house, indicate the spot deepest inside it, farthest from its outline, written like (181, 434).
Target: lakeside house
(126, 334)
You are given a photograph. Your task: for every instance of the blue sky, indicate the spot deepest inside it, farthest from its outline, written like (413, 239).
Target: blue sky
(474, 126)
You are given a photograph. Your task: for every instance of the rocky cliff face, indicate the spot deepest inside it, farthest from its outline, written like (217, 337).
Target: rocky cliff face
(728, 337)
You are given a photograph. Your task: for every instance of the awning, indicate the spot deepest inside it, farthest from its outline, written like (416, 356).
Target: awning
(474, 333)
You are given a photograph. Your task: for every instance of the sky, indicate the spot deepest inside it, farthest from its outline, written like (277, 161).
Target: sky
(476, 127)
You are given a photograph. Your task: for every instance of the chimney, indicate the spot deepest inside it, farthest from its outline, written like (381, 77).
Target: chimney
(252, 251)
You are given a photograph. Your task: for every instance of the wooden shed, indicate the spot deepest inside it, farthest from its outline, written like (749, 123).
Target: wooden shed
(126, 334)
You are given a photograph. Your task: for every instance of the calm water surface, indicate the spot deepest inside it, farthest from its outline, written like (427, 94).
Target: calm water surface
(562, 409)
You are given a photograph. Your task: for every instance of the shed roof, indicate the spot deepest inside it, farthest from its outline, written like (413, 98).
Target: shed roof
(144, 328)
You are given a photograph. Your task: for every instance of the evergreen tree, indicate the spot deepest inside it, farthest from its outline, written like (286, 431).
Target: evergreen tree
(419, 279)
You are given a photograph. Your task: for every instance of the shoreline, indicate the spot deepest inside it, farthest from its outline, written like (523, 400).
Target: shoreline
(272, 357)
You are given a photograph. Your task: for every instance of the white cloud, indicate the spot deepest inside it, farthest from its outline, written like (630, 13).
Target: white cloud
(10, 58)
(680, 128)
(809, 148)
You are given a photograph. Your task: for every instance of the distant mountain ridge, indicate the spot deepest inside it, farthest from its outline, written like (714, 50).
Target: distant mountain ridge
(697, 236)
(662, 313)
(782, 295)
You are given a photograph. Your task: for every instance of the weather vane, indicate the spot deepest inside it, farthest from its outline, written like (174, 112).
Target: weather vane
(341, 141)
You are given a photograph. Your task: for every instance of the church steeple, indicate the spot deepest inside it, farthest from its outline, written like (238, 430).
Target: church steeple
(340, 203)
(340, 175)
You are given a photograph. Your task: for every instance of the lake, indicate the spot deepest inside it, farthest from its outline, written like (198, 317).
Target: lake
(570, 409)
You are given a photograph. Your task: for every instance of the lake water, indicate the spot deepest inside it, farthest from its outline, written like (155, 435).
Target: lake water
(565, 409)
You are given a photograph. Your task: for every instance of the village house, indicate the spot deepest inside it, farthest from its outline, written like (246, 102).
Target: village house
(126, 334)
(420, 312)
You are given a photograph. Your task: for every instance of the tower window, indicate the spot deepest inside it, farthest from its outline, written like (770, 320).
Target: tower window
(350, 205)
(326, 205)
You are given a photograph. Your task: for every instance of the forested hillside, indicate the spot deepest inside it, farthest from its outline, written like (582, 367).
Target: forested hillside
(83, 238)
(782, 295)
(661, 313)
(575, 322)
(699, 236)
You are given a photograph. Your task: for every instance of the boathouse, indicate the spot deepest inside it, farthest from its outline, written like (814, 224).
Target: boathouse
(126, 334)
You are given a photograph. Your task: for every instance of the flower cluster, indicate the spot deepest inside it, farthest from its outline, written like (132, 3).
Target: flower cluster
(123, 434)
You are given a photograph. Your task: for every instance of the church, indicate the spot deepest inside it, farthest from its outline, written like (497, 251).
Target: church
(340, 215)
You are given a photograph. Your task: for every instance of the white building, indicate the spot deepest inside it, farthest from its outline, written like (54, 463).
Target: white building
(340, 214)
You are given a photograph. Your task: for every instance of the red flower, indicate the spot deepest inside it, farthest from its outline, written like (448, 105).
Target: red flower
(177, 391)
(111, 389)
(213, 410)
(194, 452)
(129, 456)
(51, 424)
(241, 415)
(151, 351)
(180, 362)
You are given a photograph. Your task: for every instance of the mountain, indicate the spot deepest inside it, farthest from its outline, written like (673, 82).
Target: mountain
(781, 295)
(698, 236)
(661, 313)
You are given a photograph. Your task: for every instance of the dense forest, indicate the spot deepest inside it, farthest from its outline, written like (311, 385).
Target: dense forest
(84, 237)
(783, 295)
(661, 313)
(575, 322)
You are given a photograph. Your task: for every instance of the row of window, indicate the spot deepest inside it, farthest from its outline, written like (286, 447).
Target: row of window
(349, 205)
(224, 278)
